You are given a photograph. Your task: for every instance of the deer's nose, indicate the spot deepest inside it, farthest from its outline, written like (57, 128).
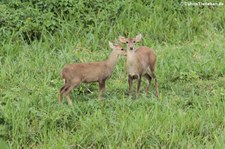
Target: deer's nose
(131, 48)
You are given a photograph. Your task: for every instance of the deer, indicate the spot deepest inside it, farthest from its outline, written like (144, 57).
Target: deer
(141, 62)
(77, 73)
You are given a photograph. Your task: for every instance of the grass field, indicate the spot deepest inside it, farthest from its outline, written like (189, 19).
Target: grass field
(188, 114)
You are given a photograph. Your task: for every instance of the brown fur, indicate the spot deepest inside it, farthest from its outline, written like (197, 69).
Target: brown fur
(140, 62)
(74, 74)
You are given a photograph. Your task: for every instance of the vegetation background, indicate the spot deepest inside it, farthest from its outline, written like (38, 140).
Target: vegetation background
(37, 37)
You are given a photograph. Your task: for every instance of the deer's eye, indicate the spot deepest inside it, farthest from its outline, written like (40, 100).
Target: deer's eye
(122, 49)
(133, 41)
(126, 41)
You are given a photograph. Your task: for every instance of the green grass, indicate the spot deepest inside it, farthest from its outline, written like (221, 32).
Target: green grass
(190, 69)
(189, 112)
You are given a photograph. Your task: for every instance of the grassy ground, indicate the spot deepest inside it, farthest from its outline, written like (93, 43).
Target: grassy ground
(188, 114)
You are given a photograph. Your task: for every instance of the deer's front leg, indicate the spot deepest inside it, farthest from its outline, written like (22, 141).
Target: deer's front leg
(101, 88)
(130, 82)
(138, 85)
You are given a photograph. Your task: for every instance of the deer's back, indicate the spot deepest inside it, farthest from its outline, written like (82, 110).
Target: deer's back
(146, 53)
(86, 72)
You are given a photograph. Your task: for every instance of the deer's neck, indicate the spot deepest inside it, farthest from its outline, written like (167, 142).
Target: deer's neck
(111, 62)
(131, 56)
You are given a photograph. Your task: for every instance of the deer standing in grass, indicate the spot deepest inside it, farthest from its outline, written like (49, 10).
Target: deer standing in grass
(75, 74)
(140, 62)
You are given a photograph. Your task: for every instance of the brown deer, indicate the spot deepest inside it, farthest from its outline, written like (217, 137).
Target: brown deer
(75, 74)
(140, 62)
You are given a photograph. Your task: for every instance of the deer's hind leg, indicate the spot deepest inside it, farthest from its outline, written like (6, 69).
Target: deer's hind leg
(62, 91)
(67, 89)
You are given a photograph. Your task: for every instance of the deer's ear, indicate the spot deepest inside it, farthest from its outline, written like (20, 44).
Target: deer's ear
(111, 45)
(122, 39)
(138, 38)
